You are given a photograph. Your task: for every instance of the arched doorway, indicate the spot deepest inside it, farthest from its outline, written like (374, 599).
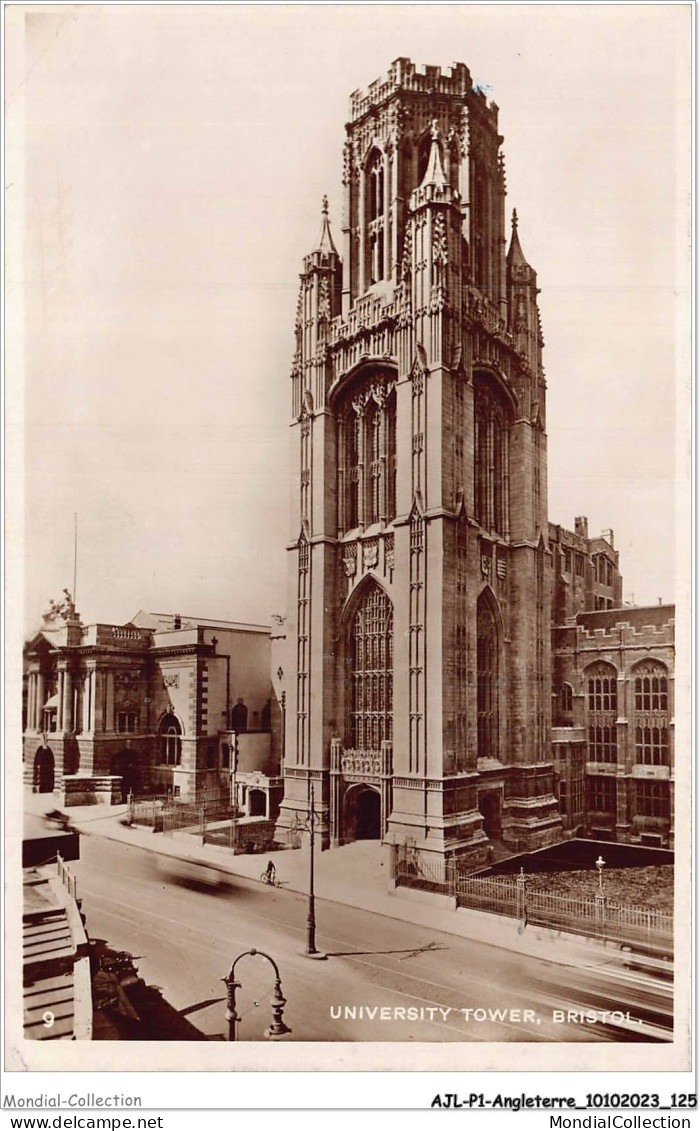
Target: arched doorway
(363, 814)
(490, 809)
(368, 821)
(256, 803)
(125, 765)
(44, 770)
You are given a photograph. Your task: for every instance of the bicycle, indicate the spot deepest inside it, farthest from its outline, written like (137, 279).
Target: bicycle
(266, 878)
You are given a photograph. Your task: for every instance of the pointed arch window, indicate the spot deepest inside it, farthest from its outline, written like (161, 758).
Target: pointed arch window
(651, 714)
(371, 671)
(367, 455)
(374, 218)
(491, 418)
(601, 702)
(566, 698)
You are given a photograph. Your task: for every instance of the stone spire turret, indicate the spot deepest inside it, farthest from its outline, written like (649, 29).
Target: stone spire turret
(515, 256)
(434, 173)
(325, 243)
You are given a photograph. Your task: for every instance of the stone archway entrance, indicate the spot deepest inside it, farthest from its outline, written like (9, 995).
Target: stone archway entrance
(44, 770)
(363, 814)
(490, 809)
(125, 765)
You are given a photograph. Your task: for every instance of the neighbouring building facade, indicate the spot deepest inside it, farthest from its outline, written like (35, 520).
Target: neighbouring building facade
(424, 578)
(161, 704)
(612, 739)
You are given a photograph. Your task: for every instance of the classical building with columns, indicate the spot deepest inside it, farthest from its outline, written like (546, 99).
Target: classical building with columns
(164, 703)
(424, 578)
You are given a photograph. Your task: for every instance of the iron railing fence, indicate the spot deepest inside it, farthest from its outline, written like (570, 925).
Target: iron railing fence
(502, 897)
(66, 876)
(165, 812)
(599, 917)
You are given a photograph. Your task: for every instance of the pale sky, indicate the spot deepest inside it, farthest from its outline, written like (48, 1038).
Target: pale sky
(176, 158)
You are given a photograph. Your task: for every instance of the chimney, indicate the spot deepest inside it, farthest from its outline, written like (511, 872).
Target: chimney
(177, 621)
(581, 526)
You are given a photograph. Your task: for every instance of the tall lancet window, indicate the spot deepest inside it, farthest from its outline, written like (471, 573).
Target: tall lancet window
(367, 455)
(491, 418)
(371, 671)
(374, 218)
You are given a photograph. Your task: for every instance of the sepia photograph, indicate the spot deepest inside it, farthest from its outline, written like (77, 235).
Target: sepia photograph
(348, 537)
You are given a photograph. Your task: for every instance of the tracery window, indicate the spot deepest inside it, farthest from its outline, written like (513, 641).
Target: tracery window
(170, 741)
(371, 671)
(602, 688)
(601, 680)
(490, 457)
(651, 688)
(367, 455)
(651, 714)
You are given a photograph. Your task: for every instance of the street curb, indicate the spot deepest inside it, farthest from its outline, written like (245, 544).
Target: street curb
(477, 926)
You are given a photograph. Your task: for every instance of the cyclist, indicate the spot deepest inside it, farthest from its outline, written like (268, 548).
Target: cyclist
(270, 872)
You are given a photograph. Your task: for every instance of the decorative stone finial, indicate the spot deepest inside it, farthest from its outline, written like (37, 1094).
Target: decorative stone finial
(515, 219)
(324, 205)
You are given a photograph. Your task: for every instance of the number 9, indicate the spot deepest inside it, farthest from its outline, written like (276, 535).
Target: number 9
(48, 1018)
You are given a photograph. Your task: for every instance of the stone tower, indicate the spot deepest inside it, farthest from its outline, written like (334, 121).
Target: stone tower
(419, 568)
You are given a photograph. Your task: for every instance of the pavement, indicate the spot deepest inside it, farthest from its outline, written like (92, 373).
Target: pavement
(355, 875)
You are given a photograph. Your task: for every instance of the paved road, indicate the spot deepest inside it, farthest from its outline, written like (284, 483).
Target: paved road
(185, 940)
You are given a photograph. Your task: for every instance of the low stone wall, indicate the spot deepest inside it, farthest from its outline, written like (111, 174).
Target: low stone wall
(79, 789)
(256, 836)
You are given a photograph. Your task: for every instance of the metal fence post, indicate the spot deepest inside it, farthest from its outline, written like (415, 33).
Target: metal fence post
(521, 896)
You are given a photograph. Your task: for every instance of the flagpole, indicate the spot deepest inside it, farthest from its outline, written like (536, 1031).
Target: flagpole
(75, 556)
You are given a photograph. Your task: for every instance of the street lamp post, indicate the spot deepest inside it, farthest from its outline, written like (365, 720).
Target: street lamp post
(278, 1028)
(311, 917)
(283, 720)
(311, 950)
(600, 899)
(600, 864)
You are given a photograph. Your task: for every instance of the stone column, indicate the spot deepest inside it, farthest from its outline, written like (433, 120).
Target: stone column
(109, 719)
(67, 708)
(39, 700)
(89, 701)
(59, 704)
(31, 700)
(86, 701)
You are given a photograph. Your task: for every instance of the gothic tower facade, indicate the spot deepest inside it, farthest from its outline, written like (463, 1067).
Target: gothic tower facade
(419, 567)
